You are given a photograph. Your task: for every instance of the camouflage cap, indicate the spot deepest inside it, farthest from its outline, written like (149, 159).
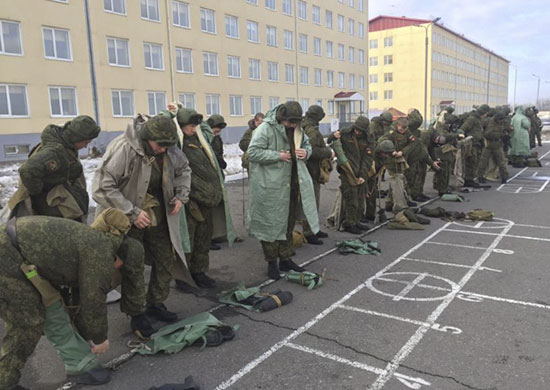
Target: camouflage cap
(385, 146)
(315, 112)
(387, 116)
(81, 128)
(289, 111)
(112, 221)
(449, 109)
(483, 109)
(361, 123)
(216, 120)
(188, 116)
(160, 129)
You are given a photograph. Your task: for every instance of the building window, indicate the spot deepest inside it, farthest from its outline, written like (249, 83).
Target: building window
(287, 7)
(13, 100)
(304, 75)
(208, 21)
(254, 69)
(270, 4)
(317, 77)
(351, 54)
(156, 102)
(273, 102)
(388, 77)
(330, 53)
(319, 102)
(388, 94)
(233, 67)
(361, 56)
(360, 6)
(273, 71)
(388, 59)
(210, 63)
(341, 55)
(187, 100)
(289, 40)
(231, 26)
(330, 107)
(57, 44)
(302, 9)
(252, 31)
(123, 103)
(351, 26)
(373, 78)
(184, 60)
(254, 2)
(315, 14)
(328, 18)
(114, 6)
(373, 44)
(271, 36)
(351, 81)
(213, 104)
(361, 30)
(317, 46)
(330, 78)
(153, 56)
(289, 73)
(373, 61)
(10, 38)
(235, 105)
(352, 3)
(150, 10)
(180, 14)
(388, 41)
(361, 82)
(255, 104)
(341, 26)
(341, 80)
(118, 52)
(11, 150)
(305, 104)
(373, 95)
(302, 43)
(63, 101)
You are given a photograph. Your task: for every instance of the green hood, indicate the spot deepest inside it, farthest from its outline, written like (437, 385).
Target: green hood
(186, 116)
(415, 120)
(79, 129)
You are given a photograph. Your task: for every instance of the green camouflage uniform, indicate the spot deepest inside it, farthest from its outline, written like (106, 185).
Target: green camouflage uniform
(245, 141)
(65, 252)
(418, 158)
(217, 142)
(473, 127)
(496, 129)
(381, 125)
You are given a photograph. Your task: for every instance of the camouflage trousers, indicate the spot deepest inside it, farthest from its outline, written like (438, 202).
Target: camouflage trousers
(397, 195)
(495, 151)
(282, 249)
(200, 237)
(353, 202)
(443, 175)
(472, 162)
(416, 176)
(305, 224)
(372, 185)
(159, 254)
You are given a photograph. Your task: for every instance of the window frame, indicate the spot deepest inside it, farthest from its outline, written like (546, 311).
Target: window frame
(204, 12)
(259, 68)
(20, 36)
(291, 40)
(232, 105)
(147, 5)
(115, 12)
(58, 88)
(230, 66)
(268, 34)
(316, 20)
(151, 52)
(253, 108)
(249, 24)
(213, 95)
(115, 39)
(293, 73)
(119, 91)
(208, 54)
(53, 29)
(301, 9)
(273, 65)
(185, 95)
(8, 100)
(184, 49)
(179, 2)
(231, 17)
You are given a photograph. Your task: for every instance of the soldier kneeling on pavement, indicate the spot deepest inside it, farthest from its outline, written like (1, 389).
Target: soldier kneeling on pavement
(31, 273)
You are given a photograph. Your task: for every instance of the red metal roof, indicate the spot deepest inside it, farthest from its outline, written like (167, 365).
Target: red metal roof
(396, 113)
(384, 22)
(340, 95)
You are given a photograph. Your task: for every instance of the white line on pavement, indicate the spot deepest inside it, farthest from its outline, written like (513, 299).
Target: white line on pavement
(496, 234)
(410, 286)
(451, 264)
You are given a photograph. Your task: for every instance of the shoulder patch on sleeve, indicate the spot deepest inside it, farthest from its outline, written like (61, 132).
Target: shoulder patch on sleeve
(52, 165)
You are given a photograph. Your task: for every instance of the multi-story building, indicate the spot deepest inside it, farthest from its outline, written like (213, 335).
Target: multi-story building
(459, 72)
(112, 59)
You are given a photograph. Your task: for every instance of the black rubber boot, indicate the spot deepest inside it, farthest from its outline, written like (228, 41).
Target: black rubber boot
(159, 312)
(313, 240)
(321, 234)
(287, 265)
(481, 180)
(353, 230)
(141, 326)
(504, 180)
(273, 271)
(203, 281)
(470, 183)
(214, 246)
(363, 226)
(421, 198)
(410, 203)
(96, 376)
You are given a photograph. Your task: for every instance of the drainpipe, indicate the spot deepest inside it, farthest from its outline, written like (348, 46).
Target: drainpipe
(92, 66)
(169, 33)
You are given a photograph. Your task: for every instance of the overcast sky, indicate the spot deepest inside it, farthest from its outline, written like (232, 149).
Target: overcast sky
(517, 30)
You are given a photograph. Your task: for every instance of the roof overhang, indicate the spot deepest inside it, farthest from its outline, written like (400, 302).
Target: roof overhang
(347, 97)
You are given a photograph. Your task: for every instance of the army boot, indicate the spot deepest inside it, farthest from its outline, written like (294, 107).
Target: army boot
(287, 265)
(273, 270)
(470, 183)
(353, 229)
(203, 281)
(141, 326)
(159, 312)
(481, 180)
(96, 376)
(321, 234)
(313, 240)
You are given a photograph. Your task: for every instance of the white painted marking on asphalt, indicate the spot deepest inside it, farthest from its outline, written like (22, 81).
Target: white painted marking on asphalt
(478, 225)
(532, 226)
(507, 300)
(496, 234)
(410, 286)
(451, 264)
(438, 327)
(519, 189)
(410, 382)
(512, 178)
(456, 245)
(454, 286)
(544, 186)
(432, 318)
(336, 358)
(534, 174)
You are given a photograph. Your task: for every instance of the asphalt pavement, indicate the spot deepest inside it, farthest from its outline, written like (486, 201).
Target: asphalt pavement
(459, 305)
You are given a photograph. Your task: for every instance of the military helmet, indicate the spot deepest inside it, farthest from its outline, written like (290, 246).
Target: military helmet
(483, 109)
(387, 116)
(361, 123)
(386, 146)
(161, 129)
(315, 112)
(289, 111)
(81, 128)
(217, 121)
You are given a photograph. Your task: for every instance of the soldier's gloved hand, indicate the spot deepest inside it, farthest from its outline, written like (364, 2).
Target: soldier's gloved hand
(175, 205)
(301, 153)
(142, 221)
(100, 349)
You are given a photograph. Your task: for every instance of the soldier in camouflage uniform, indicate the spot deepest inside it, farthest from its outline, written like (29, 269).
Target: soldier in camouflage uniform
(247, 136)
(206, 194)
(381, 125)
(81, 256)
(473, 127)
(217, 124)
(53, 171)
(320, 155)
(144, 174)
(357, 144)
(497, 128)
(536, 126)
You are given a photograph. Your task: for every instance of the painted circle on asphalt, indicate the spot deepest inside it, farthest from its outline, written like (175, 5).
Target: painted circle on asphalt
(387, 277)
(496, 223)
